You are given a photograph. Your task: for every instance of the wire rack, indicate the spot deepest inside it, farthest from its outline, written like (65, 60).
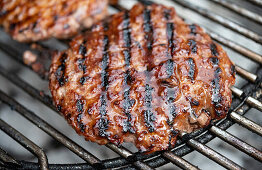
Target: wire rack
(246, 97)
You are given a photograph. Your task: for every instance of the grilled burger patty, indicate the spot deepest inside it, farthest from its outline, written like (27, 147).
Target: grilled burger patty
(142, 76)
(33, 20)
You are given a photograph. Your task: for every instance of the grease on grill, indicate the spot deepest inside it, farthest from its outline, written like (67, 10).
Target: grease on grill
(60, 75)
(193, 46)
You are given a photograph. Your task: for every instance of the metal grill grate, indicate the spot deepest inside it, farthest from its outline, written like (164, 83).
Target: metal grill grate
(249, 96)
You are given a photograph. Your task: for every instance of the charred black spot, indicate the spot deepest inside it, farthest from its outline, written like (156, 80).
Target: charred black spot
(82, 127)
(23, 29)
(193, 101)
(148, 28)
(3, 13)
(83, 79)
(60, 70)
(174, 133)
(128, 78)
(66, 26)
(170, 68)
(232, 69)
(216, 96)
(55, 17)
(192, 67)
(34, 25)
(79, 118)
(193, 29)
(170, 32)
(167, 14)
(79, 106)
(213, 49)
(149, 120)
(59, 108)
(81, 64)
(127, 57)
(214, 61)
(193, 46)
(12, 26)
(105, 25)
(103, 126)
(82, 50)
(68, 116)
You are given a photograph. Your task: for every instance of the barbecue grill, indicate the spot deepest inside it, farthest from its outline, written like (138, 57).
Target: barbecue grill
(247, 94)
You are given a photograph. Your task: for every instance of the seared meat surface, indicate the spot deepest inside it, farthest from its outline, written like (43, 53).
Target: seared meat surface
(34, 20)
(142, 76)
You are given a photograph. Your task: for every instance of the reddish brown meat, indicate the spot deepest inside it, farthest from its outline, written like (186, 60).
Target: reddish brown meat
(33, 20)
(143, 76)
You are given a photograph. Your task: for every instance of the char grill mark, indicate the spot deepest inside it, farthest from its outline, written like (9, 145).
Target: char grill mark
(81, 64)
(103, 121)
(82, 49)
(193, 29)
(192, 67)
(170, 69)
(213, 48)
(60, 72)
(193, 46)
(83, 79)
(127, 126)
(79, 108)
(149, 116)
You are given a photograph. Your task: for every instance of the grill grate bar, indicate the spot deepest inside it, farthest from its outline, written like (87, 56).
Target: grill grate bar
(258, 2)
(236, 47)
(245, 74)
(215, 156)
(45, 99)
(249, 124)
(5, 157)
(179, 161)
(127, 155)
(239, 10)
(239, 144)
(26, 143)
(221, 20)
(249, 100)
(50, 130)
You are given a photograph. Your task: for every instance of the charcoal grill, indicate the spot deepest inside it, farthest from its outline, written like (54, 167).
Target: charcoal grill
(248, 96)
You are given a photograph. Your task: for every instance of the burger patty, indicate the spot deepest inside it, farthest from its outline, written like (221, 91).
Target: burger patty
(34, 20)
(142, 76)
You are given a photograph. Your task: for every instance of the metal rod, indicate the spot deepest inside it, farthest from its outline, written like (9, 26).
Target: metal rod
(236, 47)
(250, 100)
(236, 142)
(239, 10)
(7, 158)
(257, 2)
(221, 20)
(215, 156)
(26, 143)
(246, 123)
(127, 155)
(85, 155)
(245, 74)
(182, 163)
(45, 99)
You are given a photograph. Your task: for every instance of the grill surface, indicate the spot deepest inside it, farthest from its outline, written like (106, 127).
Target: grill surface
(247, 95)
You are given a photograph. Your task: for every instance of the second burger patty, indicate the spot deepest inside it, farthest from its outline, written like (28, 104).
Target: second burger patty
(34, 20)
(142, 76)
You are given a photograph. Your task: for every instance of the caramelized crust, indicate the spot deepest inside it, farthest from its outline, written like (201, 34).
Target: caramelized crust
(34, 20)
(142, 76)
